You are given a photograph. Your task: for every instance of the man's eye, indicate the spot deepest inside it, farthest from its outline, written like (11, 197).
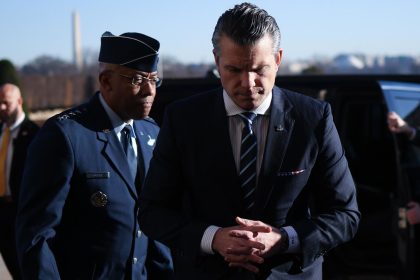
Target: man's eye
(234, 70)
(262, 71)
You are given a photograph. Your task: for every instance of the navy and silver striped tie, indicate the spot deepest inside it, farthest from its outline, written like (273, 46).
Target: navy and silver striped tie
(248, 161)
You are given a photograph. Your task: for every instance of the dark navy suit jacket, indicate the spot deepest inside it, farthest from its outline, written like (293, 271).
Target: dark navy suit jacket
(78, 208)
(304, 182)
(27, 132)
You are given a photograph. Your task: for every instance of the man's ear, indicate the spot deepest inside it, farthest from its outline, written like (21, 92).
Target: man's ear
(216, 58)
(279, 57)
(104, 81)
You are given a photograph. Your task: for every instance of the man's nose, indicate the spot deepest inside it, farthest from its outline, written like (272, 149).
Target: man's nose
(147, 89)
(248, 80)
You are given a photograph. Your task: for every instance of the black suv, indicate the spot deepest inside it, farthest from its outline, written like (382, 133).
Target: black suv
(385, 167)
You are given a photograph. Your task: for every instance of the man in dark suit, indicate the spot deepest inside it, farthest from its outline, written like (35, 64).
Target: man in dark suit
(78, 207)
(17, 131)
(249, 181)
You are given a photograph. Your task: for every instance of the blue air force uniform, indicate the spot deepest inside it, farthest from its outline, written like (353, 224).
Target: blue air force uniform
(78, 207)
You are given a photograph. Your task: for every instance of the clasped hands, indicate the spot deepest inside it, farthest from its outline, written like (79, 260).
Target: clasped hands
(247, 244)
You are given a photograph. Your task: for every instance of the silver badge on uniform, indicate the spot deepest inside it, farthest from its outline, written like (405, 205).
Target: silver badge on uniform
(98, 199)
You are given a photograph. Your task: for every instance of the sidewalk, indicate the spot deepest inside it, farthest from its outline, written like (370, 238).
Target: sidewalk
(4, 273)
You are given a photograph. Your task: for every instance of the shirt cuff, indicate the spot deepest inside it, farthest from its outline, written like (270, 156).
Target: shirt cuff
(207, 240)
(294, 243)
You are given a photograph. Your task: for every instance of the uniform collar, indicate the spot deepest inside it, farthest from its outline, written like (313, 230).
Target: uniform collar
(117, 123)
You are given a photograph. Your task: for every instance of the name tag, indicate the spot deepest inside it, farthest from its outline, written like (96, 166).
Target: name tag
(97, 175)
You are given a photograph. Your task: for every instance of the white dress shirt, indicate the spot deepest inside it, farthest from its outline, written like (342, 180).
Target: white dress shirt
(118, 124)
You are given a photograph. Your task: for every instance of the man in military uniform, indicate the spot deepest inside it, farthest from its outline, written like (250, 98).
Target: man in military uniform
(77, 216)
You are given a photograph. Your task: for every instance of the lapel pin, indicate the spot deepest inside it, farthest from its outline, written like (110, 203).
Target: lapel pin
(106, 130)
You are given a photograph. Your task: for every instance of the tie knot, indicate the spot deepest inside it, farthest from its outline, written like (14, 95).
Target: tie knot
(248, 117)
(127, 130)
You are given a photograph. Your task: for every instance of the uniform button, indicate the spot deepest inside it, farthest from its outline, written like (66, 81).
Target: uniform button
(138, 233)
(134, 260)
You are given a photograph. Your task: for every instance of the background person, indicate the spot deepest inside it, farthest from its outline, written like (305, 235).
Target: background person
(78, 207)
(255, 184)
(17, 132)
(397, 125)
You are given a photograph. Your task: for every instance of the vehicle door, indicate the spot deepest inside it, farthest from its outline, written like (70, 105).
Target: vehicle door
(404, 99)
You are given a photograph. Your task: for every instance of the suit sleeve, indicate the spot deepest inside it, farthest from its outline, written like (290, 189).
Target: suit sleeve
(334, 215)
(44, 189)
(159, 260)
(162, 197)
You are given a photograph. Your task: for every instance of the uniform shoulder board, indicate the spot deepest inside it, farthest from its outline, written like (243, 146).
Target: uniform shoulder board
(70, 114)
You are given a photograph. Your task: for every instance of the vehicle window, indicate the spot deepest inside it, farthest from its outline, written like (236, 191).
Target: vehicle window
(404, 99)
(368, 143)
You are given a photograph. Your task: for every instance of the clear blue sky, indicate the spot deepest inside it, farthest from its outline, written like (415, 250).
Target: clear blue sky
(309, 28)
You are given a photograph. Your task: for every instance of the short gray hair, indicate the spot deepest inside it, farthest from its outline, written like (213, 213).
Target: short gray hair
(104, 67)
(245, 24)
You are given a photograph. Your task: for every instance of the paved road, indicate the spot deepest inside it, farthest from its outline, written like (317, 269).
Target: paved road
(4, 273)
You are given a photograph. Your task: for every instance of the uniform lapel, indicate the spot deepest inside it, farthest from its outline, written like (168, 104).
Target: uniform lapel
(278, 136)
(112, 148)
(113, 152)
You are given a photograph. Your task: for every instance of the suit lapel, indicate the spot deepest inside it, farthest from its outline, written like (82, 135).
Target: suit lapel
(112, 149)
(278, 136)
(22, 134)
(218, 125)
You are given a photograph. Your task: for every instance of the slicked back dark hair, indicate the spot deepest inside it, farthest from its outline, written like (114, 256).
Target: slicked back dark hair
(245, 24)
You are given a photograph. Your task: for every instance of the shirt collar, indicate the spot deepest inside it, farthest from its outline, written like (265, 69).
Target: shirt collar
(16, 124)
(233, 109)
(117, 123)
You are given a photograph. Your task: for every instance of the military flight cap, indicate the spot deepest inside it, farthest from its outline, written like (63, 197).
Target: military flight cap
(132, 50)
